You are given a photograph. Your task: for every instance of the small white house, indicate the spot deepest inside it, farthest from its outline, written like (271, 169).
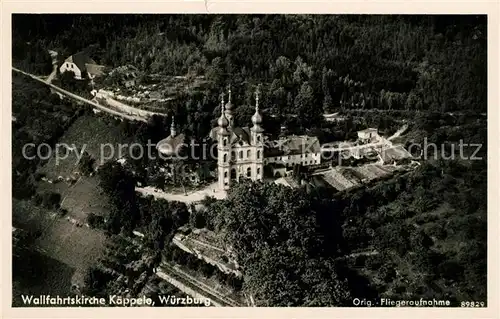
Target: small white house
(367, 134)
(334, 117)
(82, 66)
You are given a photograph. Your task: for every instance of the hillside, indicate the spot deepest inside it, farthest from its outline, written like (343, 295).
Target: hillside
(303, 62)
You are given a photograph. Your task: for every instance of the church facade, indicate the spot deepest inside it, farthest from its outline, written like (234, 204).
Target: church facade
(240, 151)
(244, 151)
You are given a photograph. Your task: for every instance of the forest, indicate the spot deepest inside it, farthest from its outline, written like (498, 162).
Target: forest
(40, 117)
(418, 235)
(305, 64)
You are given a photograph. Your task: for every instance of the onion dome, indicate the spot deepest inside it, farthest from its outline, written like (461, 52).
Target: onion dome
(257, 118)
(229, 105)
(173, 144)
(223, 122)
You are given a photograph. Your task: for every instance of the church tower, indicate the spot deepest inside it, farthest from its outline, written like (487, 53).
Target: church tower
(223, 150)
(229, 110)
(172, 128)
(257, 140)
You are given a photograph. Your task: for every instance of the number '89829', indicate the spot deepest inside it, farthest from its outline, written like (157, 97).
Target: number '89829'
(473, 304)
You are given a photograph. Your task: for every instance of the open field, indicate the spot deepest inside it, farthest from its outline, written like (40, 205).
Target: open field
(81, 198)
(69, 249)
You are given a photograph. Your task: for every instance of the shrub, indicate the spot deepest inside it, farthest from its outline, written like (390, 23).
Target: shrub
(47, 199)
(373, 262)
(387, 273)
(95, 221)
(62, 212)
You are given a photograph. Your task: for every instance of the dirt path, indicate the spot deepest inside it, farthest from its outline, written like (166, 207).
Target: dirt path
(211, 191)
(53, 55)
(127, 109)
(398, 132)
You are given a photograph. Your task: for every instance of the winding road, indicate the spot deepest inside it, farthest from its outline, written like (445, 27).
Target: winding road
(81, 99)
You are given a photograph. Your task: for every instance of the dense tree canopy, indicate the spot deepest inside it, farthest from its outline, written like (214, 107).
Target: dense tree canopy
(274, 231)
(413, 62)
(38, 118)
(285, 237)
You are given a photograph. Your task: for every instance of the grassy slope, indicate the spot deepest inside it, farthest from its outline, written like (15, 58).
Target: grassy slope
(81, 198)
(89, 132)
(60, 253)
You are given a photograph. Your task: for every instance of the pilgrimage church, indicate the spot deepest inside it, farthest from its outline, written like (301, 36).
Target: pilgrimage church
(240, 151)
(244, 151)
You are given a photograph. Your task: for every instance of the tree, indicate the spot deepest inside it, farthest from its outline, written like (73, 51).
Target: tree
(275, 233)
(215, 71)
(420, 241)
(48, 200)
(86, 164)
(327, 103)
(95, 221)
(179, 173)
(119, 185)
(304, 103)
(95, 281)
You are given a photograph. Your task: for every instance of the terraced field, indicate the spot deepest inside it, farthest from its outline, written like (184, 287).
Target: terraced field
(195, 284)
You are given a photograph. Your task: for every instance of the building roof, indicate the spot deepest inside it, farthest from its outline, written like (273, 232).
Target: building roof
(371, 171)
(292, 145)
(80, 59)
(319, 182)
(240, 134)
(287, 181)
(342, 178)
(396, 152)
(171, 145)
(94, 69)
(337, 180)
(369, 130)
(237, 134)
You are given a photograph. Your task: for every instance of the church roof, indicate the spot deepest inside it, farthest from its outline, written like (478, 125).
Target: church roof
(240, 134)
(171, 144)
(237, 134)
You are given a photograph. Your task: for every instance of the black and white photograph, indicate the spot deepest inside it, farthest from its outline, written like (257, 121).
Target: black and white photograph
(249, 160)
